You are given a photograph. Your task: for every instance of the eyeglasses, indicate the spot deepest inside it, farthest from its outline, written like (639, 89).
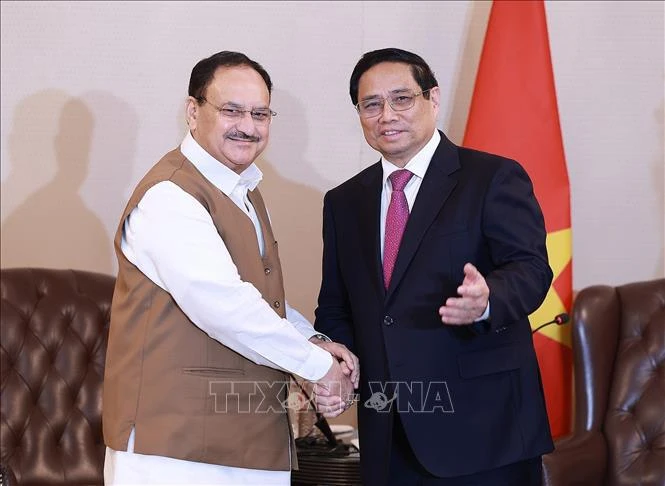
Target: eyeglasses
(261, 116)
(399, 101)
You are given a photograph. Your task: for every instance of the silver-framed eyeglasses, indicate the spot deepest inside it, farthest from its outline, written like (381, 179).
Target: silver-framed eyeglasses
(400, 100)
(232, 111)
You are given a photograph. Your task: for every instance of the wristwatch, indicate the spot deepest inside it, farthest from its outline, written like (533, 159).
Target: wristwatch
(322, 337)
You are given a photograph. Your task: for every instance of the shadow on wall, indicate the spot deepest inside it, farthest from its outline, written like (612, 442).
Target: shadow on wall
(47, 222)
(465, 76)
(112, 159)
(295, 208)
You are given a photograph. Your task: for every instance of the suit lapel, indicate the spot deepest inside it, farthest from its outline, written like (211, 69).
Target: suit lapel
(433, 193)
(369, 207)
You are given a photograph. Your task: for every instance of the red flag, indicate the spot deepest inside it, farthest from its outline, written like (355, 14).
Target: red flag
(514, 113)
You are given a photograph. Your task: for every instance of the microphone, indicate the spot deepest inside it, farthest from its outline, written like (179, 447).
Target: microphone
(559, 320)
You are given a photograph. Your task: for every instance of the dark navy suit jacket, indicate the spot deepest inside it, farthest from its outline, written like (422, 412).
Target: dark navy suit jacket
(469, 397)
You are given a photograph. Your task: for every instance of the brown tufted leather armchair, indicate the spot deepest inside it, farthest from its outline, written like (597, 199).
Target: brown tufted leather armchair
(54, 328)
(619, 357)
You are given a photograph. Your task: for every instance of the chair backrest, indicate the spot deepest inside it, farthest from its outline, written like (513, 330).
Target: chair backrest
(619, 347)
(634, 423)
(54, 330)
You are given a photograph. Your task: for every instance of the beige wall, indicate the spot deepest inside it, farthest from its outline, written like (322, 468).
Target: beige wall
(93, 92)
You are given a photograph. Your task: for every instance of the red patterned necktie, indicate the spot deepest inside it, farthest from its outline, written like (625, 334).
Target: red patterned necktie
(398, 213)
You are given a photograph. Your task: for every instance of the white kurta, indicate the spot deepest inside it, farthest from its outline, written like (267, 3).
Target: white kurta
(172, 239)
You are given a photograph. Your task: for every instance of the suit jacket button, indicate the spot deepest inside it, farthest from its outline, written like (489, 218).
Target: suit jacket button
(276, 304)
(267, 270)
(388, 321)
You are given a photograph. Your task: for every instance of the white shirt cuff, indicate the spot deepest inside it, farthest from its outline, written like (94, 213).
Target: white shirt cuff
(316, 365)
(486, 314)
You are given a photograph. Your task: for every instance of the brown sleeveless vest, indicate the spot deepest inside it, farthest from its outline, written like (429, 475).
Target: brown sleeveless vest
(187, 395)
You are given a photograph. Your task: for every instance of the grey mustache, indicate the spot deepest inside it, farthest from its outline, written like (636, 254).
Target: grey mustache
(242, 136)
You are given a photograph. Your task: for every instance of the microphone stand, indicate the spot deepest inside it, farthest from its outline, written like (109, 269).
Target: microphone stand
(321, 422)
(559, 320)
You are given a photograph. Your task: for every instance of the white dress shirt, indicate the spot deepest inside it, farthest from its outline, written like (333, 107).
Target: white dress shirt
(418, 165)
(172, 239)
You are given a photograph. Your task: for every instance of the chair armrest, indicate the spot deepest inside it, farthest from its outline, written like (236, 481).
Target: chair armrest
(577, 460)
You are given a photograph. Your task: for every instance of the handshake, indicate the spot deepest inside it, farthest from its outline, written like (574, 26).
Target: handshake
(333, 393)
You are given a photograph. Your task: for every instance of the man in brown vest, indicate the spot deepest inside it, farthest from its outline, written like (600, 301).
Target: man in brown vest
(202, 341)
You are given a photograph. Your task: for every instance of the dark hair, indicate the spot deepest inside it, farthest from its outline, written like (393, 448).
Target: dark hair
(204, 71)
(419, 68)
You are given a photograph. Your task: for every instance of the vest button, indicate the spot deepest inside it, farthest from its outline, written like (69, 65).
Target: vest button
(267, 270)
(276, 304)
(387, 320)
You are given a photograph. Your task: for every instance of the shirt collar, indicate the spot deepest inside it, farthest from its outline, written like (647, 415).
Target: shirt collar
(419, 164)
(212, 169)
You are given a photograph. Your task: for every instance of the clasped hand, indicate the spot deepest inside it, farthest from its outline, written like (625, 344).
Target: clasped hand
(333, 393)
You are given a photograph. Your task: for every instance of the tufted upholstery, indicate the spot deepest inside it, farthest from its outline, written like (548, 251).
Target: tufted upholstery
(619, 354)
(54, 329)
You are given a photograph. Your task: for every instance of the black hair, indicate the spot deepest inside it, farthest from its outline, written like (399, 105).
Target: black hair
(419, 68)
(204, 71)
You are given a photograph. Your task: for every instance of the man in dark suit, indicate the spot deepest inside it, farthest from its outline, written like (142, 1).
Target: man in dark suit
(429, 274)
